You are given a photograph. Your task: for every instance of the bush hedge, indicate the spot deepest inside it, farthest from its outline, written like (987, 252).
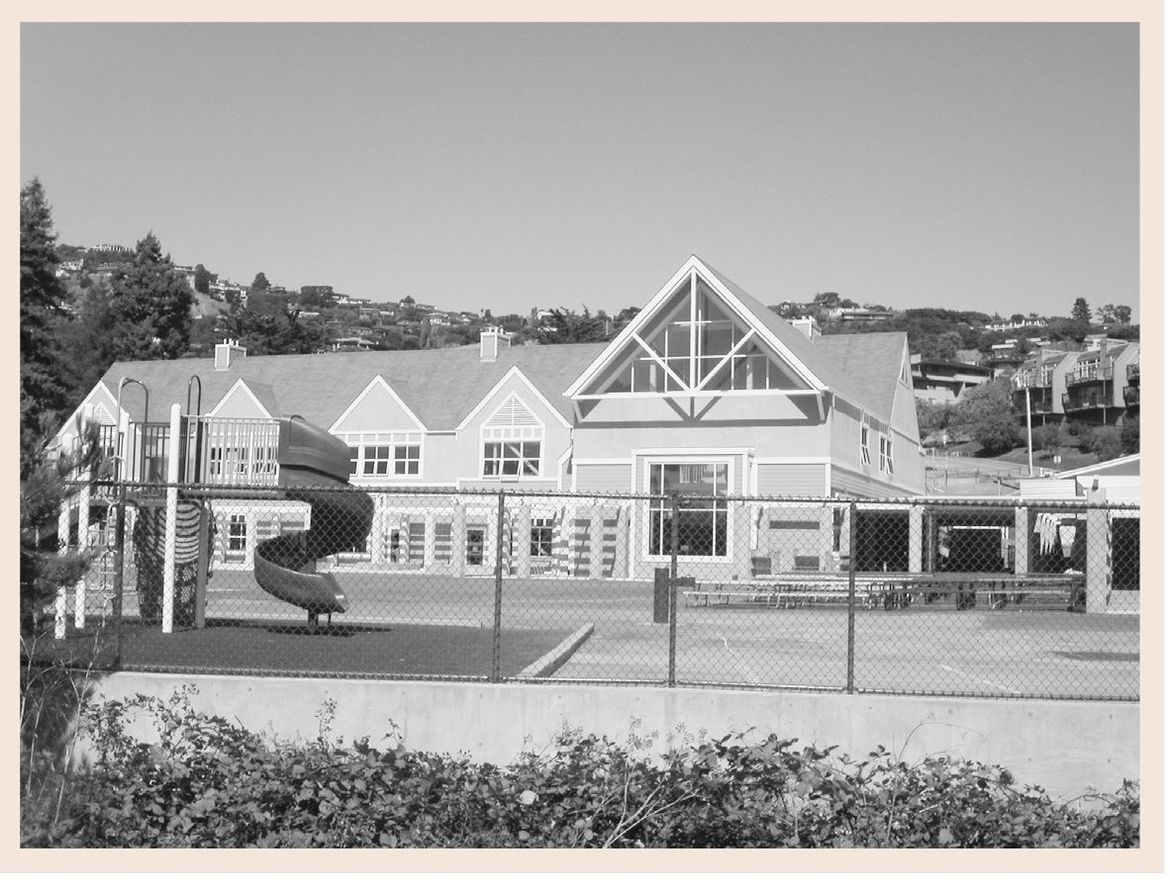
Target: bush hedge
(212, 783)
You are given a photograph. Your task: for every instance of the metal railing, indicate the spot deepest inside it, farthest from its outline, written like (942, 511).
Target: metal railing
(692, 587)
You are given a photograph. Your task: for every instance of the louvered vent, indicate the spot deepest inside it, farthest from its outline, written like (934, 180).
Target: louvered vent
(513, 413)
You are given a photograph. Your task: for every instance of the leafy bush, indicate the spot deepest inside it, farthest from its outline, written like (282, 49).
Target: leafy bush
(1106, 442)
(211, 783)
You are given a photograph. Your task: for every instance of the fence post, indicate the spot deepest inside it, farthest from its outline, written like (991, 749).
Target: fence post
(499, 606)
(672, 583)
(849, 650)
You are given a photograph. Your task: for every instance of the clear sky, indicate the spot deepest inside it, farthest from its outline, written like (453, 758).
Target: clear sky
(989, 167)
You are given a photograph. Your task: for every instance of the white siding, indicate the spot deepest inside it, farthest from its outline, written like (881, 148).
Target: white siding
(790, 479)
(603, 477)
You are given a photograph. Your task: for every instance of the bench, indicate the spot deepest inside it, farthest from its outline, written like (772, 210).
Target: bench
(892, 593)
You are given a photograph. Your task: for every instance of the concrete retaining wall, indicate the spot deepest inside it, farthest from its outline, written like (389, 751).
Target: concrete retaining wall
(1066, 747)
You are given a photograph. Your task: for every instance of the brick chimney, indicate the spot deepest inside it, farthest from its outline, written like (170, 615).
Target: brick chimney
(491, 340)
(227, 352)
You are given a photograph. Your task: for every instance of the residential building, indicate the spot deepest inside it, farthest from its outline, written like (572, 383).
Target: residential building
(1038, 387)
(1095, 385)
(705, 390)
(943, 380)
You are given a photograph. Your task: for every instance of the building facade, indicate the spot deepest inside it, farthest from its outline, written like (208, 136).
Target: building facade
(705, 393)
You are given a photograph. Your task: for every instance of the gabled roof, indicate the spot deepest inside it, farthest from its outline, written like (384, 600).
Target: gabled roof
(439, 386)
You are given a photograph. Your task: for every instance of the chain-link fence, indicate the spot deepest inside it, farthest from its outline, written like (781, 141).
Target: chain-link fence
(987, 597)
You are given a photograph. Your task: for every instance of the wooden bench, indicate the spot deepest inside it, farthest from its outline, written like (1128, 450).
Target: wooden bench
(892, 593)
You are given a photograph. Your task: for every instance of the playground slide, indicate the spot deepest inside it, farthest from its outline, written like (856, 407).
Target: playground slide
(310, 458)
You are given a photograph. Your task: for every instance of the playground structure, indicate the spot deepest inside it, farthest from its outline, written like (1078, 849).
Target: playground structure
(172, 535)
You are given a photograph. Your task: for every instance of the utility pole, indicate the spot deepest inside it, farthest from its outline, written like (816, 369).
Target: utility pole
(1028, 423)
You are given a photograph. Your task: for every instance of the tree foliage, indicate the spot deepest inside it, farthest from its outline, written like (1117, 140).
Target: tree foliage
(1081, 311)
(149, 309)
(985, 413)
(563, 325)
(42, 297)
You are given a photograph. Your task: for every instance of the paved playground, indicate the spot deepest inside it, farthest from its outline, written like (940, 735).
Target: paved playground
(980, 653)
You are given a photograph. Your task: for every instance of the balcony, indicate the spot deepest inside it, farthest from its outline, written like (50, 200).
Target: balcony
(1131, 396)
(1089, 371)
(227, 451)
(1032, 379)
(1086, 399)
(1133, 373)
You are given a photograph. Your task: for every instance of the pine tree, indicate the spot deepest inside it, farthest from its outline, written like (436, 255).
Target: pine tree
(42, 297)
(150, 306)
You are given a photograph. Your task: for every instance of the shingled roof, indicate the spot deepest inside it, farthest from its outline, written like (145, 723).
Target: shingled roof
(863, 368)
(439, 386)
(442, 386)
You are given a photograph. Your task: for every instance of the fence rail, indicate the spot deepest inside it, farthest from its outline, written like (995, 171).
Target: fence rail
(688, 586)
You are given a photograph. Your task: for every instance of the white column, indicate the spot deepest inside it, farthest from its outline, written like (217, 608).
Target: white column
(596, 539)
(492, 540)
(172, 521)
(1021, 538)
(458, 539)
(428, 539)
(620, 541)
(1097, 560)
(522, 538)
(61, 606)
(82, 546)
(915, 557)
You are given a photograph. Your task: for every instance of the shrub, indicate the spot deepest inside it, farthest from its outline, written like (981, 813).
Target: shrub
(1106, 442)
(211, 783)
(1047, 438)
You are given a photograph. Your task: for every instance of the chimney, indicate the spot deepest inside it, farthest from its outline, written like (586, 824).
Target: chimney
(491, 340)
(227, 352)
(807, 325)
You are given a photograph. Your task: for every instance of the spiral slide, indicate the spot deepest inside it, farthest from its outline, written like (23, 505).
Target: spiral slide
(310, 459)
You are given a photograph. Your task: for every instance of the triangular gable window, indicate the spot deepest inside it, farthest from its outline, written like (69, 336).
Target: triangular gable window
(694, 343)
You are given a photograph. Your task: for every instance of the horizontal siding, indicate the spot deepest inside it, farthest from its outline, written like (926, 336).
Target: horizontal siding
(790, 479)
(848, 483)
(603, 477)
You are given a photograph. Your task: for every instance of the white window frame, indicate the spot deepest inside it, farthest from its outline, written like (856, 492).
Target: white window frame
(490, 437)
(666, 461)
(367, 444)
(886, 446)
(239, 521)
(866, 458)
(546, 527)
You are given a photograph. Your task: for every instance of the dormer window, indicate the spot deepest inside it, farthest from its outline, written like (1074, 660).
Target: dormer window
(887, 455)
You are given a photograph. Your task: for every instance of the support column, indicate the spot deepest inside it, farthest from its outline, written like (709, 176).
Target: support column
(458, 539)
(82, 547)
(1097, 560)
(596, 540)
(170, 528)
(428, 540)
(523, 539)
(621, 550)
(571, 545)
(61, 606)
(1021, 539)
(492, 542)
(916, 514)
(739, 538)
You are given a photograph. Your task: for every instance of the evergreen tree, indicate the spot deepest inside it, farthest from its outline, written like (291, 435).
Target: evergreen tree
(1080, 311)
(202, 279)
(42, 296)
(150, 306)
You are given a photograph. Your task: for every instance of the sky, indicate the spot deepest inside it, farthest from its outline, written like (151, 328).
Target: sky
(989, 167)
